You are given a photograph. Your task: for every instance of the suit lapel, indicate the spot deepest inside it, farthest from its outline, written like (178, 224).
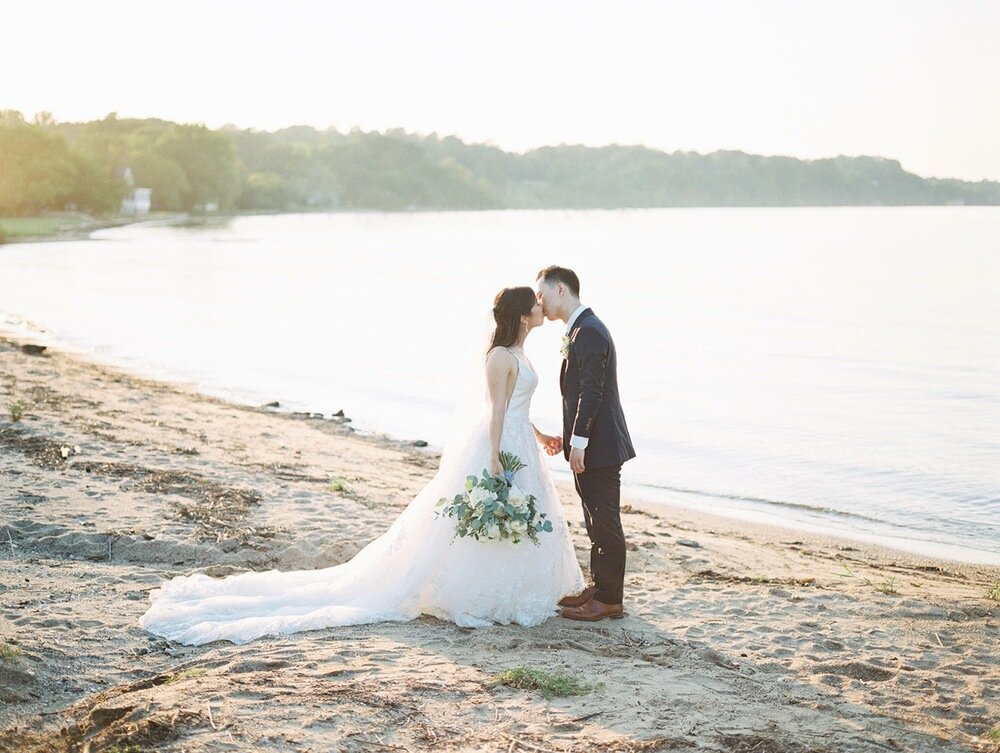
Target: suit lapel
(572, 336)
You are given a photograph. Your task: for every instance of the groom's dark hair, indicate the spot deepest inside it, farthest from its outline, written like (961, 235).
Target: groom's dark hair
(560, 274)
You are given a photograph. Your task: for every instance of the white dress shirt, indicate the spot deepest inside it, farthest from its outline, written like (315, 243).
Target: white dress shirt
(572, 320)
(575, 441)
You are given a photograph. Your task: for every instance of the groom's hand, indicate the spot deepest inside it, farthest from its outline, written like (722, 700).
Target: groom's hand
(576, 463)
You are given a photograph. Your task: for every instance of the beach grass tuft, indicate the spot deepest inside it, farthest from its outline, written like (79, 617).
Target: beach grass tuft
(187, 674)
(549, 684)
(16, 410)
(994, 591)
(848, 573)
(8, 651)
(887, 586)
(338, 484)
(993, 733)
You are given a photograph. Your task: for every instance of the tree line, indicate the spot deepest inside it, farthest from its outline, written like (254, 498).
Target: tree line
(48, 165)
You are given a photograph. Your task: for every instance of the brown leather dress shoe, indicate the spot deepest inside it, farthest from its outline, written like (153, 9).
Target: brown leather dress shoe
(593, 611)
(580, 599)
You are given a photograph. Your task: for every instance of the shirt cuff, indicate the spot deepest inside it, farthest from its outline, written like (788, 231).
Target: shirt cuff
(579, 443)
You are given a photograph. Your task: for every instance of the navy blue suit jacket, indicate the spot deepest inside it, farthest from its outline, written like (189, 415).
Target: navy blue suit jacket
(588, 381)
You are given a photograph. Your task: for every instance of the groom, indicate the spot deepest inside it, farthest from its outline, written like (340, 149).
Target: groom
(595, 440)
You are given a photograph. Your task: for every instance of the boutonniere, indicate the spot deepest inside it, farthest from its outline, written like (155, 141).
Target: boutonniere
(564, 347)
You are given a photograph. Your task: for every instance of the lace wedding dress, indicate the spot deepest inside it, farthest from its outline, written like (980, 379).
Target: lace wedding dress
(416, 567)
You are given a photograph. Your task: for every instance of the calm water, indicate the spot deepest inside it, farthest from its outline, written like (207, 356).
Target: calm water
(831, 369)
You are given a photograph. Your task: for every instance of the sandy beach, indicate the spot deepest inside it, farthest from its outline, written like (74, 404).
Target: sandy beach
(737, 637)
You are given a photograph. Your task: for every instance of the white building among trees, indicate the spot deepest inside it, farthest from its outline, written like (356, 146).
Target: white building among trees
(138, 200)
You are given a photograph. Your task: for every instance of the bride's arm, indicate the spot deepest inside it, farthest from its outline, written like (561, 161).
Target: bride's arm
(500, 366)
(552, 445)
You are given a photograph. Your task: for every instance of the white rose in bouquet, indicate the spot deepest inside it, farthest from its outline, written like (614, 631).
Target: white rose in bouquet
(517, 527)
(517, 499)
(480, 496)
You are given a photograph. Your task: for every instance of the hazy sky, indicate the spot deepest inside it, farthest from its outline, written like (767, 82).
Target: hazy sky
(909, 79)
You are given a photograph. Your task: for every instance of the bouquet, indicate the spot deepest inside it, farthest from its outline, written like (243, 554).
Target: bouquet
(493, 508)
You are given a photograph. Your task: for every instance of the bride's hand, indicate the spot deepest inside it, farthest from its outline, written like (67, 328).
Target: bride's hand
(496, 467)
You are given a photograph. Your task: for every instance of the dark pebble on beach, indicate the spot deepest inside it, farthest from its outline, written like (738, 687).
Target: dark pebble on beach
(419, 443)
(272, 404)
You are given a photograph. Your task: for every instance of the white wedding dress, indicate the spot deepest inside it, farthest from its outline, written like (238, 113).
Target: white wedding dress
(414, 568)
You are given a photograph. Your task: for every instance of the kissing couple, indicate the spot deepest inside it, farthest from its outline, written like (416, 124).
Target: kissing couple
(419, 565)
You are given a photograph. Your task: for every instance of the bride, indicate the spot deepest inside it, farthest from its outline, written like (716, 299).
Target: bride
(417, 566)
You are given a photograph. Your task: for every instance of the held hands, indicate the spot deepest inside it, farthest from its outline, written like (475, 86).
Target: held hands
(551, 445)
(576, 463)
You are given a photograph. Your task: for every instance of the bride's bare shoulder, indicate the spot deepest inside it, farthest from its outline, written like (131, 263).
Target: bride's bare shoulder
(500, 358)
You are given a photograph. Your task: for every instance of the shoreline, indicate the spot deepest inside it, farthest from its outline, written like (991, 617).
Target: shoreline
(904, 548)
(92, 224)
(88, 225)
(737, 636)
(649, 496)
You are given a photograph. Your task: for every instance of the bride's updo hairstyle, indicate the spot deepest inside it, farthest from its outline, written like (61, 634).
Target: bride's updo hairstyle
(508, 308)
